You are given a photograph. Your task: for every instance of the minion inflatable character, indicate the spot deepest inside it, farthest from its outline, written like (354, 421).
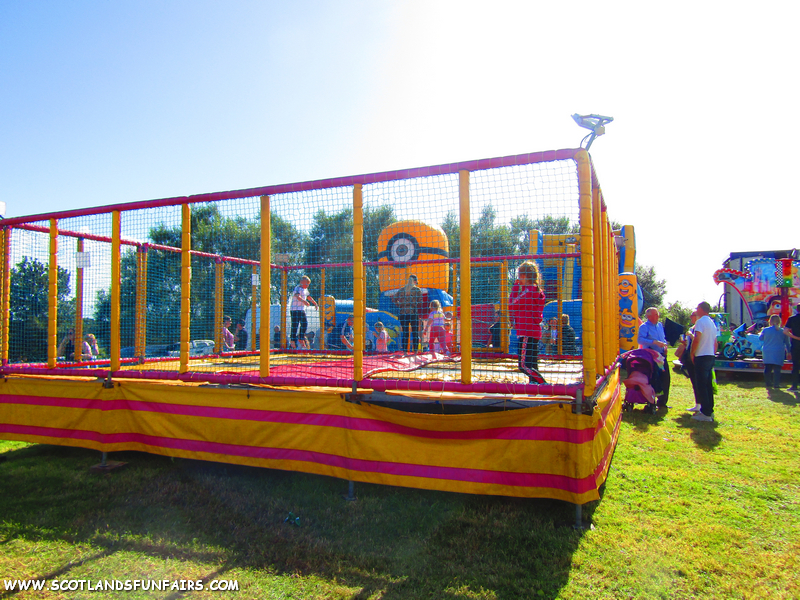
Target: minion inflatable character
(628, 311)
(406, 241)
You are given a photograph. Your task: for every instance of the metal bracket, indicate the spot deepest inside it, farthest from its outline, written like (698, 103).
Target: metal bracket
(354, 398)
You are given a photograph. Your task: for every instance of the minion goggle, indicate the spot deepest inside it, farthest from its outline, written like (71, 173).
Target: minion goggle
(403, 247)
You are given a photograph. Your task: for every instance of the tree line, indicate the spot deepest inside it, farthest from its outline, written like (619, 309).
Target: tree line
(329, 240)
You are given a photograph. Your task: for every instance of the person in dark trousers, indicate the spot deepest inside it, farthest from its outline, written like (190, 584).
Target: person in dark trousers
(409, 301)
(792, 329)
(703, 354)
(240, 337)
(651, 335)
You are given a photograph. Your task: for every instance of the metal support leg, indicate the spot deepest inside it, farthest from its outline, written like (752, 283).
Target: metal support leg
(106, 465)
(351, 495)
(579, 402)
(579, 524)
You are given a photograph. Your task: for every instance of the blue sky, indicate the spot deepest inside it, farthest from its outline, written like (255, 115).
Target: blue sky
(106, 102)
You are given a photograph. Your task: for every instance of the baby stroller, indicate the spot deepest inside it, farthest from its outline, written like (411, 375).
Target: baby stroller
(644, 379)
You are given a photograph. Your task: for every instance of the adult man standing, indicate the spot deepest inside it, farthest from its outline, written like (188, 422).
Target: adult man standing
(792, 329)
(651, 335)
(241, 335)
(704, 349)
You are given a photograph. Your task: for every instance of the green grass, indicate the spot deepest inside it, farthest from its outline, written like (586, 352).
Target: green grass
(690, 510)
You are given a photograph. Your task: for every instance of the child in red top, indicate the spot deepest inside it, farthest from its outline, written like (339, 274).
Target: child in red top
(525, 305)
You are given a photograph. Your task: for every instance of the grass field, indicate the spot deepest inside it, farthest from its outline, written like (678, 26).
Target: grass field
(690, 510)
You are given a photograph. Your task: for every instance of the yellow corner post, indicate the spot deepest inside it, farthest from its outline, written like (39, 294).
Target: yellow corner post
(284, 300)
(186, 285)
(611, 334)
(52, 296)
(358, 285)
(266, 274)
(116, 293)
(6, 299)
(79, 305)
(322, 331)
(465, 278)
(504, 333)
(219, 302)
(599, 280)
(140, 339)
(587, 272)
(254, 283)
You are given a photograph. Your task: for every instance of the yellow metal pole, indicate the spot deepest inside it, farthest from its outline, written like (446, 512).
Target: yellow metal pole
(284, 298)
(504, 341)
(322, 331)
(599, 280)
(79, 307)
(52, 298)
(456, 303)
(611, 334)
(6, 301)
(140, 342)
(560, 300)
(613, 290)
(254, 281)
(266, 282)
(465, 278)
(186, 286)
(358, 286)
(116, 293)
(219, 302)
(587, 273)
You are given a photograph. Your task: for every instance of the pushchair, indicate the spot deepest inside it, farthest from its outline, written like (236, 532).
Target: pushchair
(643, 383)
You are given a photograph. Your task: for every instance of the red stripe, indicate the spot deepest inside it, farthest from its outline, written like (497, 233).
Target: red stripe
(532, 433)
(531, 480)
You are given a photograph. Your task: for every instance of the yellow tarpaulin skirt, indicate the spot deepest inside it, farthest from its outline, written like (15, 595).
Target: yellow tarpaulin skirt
(542, 451)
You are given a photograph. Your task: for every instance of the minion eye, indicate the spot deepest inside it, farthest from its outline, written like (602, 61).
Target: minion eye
(402, 248)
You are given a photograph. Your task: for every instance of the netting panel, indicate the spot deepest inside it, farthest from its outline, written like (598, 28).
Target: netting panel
(410, 226)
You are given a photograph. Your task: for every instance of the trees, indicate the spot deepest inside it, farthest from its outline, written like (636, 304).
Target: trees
(679, 313)
(331, 241)
(212, 233)
(653, 289)
(29, 309)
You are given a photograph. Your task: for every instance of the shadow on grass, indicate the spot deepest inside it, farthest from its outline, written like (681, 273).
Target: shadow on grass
(642, 421)
(784, 396)
(394, 542)
(704, 435)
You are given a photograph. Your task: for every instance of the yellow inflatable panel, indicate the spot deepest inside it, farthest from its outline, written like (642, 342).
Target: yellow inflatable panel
(406, 241)
(628, 312)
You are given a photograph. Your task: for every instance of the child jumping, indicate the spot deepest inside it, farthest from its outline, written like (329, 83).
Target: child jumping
(525, 305)
(435, 324)
(381, 338)
(300, 299)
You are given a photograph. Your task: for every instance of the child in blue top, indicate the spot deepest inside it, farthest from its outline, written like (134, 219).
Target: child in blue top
(773, 351)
